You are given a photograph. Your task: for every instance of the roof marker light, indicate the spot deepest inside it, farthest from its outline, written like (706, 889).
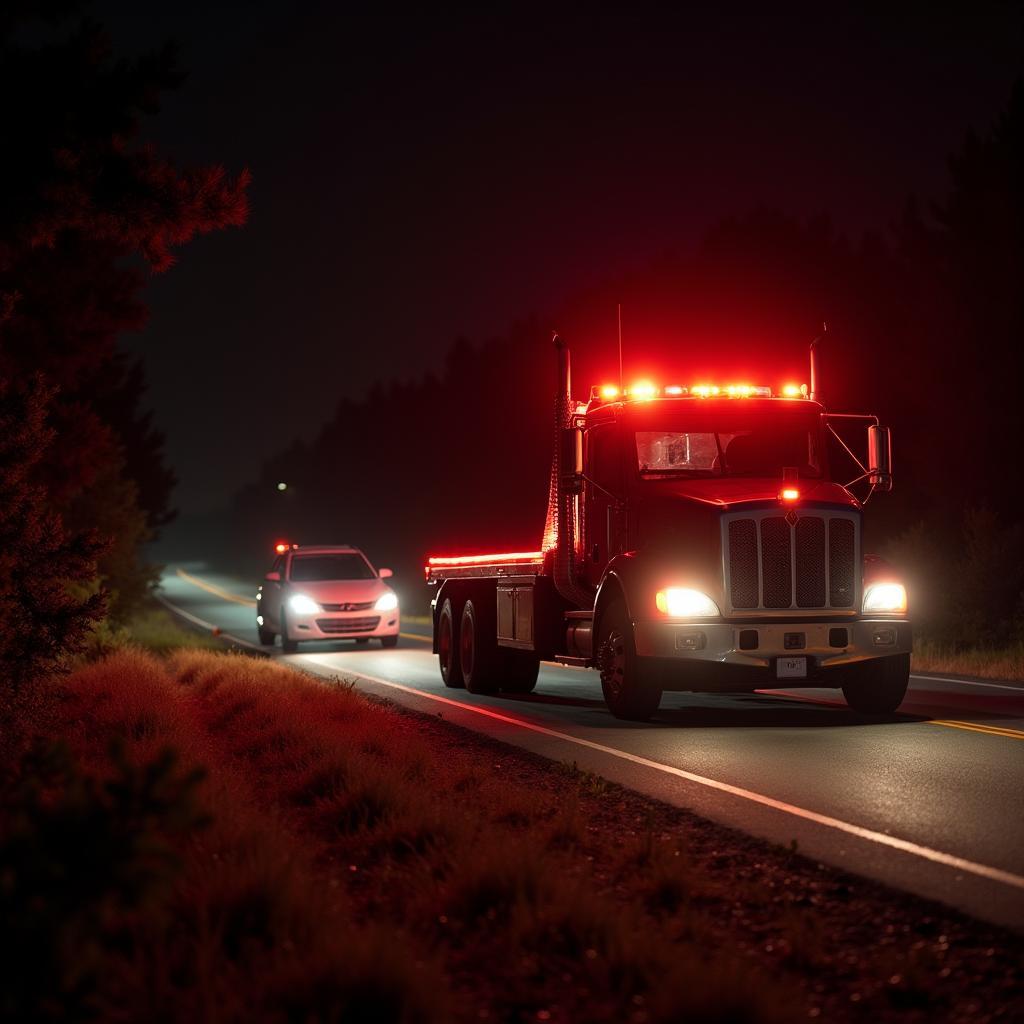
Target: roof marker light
(281, 547)
(642, 391)
(608, 392)
(789, 494)
(705, 390)
(674, 390)
(794, 390)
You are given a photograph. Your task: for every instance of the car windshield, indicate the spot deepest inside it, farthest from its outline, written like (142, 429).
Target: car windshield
(342, 566)
(751, 448)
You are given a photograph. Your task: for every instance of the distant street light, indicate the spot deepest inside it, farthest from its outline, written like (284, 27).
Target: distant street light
(282, 486)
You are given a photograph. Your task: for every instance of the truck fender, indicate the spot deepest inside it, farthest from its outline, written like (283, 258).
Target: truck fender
(614, 585)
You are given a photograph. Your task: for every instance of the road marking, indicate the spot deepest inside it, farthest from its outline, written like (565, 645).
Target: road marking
(204, 624)
(416, 636)
(991, 730)
(968, 682)
(903, 845)
(215, 590)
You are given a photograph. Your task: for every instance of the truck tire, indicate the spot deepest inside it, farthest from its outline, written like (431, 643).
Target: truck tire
(287, 645)
(878, 687)
(478, 649)
(630, 688)
(448, 646)
(267, 636)
(519, 671)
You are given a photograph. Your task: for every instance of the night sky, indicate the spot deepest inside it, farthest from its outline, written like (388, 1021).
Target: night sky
(419, 179)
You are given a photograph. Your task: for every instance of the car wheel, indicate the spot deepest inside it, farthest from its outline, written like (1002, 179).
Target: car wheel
(362, 639)
(287, 645)
(630, 688)
(878, 687)
(519, 672)
(478, 650)
(448, 645)
(389, 641)
(267, 636)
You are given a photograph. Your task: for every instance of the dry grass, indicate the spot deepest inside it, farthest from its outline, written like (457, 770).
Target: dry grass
(360, 864)
(1006, 663)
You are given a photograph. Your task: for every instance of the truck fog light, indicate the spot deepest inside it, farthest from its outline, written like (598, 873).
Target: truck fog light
(883, 637)
(692, 640)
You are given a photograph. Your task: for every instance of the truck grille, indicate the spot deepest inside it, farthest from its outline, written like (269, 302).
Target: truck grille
(804, 561)
(365, 625)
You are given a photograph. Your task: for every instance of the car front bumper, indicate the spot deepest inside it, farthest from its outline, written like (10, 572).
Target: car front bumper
(751, 650)
(344, 625)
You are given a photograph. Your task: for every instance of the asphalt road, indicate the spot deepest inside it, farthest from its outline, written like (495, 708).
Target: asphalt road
(931, 801)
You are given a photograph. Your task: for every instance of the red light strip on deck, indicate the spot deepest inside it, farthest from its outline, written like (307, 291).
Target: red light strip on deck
(512, 557)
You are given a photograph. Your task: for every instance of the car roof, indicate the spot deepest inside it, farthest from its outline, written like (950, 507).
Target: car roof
(325, 549)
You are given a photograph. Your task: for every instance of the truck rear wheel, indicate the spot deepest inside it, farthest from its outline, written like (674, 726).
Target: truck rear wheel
(448, 646)
(478, 650)
(878, 687)
(519, 671)
(630, 688)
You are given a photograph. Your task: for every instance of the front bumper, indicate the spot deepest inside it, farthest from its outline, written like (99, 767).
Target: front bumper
(752, 649)
(344, 625)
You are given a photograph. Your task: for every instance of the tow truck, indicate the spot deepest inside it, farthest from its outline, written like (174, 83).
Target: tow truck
(698, 539)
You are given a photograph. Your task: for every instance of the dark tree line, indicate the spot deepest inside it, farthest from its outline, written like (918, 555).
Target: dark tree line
(87, 210)
(926, 324)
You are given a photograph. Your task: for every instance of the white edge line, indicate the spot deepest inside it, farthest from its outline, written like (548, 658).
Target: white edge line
(206, 625)
(967, 682)
(904, 845)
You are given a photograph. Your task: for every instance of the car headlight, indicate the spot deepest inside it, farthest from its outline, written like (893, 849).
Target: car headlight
(302, 605)
(889, 598)
(386, 602)
(681, 602)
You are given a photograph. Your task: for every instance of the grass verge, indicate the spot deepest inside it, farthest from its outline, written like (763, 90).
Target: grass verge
(220, 838)
(1004, 663)
(158, 630)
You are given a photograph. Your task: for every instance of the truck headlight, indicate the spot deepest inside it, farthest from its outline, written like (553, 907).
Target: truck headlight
(386, 602)
(680, 602)
(886, 598)
(302, 605)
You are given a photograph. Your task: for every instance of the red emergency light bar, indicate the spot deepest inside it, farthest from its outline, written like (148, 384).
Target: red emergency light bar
(508, 558)
(282, 546)
(644, 391)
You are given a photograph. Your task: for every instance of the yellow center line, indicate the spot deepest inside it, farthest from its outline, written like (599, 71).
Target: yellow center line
(416, 636)
(216, 591)
(990, 730)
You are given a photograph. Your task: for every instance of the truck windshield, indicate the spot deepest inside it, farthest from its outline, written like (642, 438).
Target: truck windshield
(755, 448)
(342, 566)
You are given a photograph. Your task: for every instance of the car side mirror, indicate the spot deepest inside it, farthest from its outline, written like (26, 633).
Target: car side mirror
(880, 458)
(273, 577)
(385, 573)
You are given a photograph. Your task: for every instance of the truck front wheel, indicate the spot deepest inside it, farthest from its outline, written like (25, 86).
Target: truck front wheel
(448, 646)
(630, 688)
(478, 650)
(519, 671)
(878, 687)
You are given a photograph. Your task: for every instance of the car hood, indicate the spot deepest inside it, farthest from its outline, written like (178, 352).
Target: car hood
(340, 591)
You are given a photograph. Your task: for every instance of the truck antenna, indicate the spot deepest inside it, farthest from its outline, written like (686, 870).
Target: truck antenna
(620, 347)
(814, 362)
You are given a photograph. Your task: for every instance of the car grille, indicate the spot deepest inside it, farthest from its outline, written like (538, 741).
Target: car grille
(340, 626)
(801, 561)
(348, 606)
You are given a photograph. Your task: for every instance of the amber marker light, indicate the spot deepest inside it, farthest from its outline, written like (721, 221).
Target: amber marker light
(643, 391)
(281, 547)
(794, 390)
(609, 392)
(674, 390)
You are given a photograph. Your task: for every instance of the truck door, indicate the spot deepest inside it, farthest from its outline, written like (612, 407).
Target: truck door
(604, 480)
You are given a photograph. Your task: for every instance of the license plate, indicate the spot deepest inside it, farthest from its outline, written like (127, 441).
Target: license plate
(791, 668)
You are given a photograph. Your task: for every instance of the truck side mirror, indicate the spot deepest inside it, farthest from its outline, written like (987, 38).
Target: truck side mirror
(273, 577)
(880, 458)
(570, 459)
(385, 573)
